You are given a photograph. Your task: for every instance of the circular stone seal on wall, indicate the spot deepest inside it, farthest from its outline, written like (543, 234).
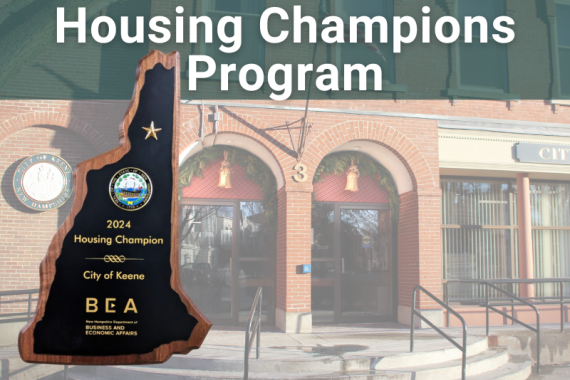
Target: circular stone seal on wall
(130, 189)
(43, 182)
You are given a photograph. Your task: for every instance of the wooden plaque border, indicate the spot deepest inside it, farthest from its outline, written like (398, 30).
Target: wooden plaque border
(47, 266)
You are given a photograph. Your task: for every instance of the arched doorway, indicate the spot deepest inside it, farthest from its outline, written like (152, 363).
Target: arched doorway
(227, 234)
(353, 245)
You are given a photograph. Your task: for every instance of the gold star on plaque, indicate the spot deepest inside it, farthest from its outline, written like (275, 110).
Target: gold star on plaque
(151, 132)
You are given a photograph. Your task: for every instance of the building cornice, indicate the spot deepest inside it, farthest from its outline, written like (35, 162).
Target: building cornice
(509, 140)
(444, 121)
(506, 126)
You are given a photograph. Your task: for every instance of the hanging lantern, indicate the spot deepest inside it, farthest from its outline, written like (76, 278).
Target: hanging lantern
(225, 172)
(352, 177)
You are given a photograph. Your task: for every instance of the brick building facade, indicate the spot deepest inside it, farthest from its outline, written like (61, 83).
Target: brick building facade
(428, 146)
(403, 136)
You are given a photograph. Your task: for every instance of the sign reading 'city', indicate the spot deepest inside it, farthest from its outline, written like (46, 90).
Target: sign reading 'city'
(543, 153)
(110, 288)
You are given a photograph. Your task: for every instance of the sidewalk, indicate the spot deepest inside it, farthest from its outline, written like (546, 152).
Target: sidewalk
(367, 351)
(347, 341)
(374, 351)
(362, 340)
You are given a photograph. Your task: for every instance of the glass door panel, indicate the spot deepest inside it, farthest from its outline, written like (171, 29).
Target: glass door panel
(365, 265)
(256, 261)
(322, 263)
(206, 236)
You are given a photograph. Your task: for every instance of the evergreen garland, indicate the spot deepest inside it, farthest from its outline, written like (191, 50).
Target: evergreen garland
(255, 170)
(338, 163)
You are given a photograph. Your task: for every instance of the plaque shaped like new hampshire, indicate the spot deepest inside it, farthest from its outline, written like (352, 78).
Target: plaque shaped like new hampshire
(109, 286)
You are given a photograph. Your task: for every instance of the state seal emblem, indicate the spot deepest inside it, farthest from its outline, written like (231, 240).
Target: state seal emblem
(130, 189)
(43, 182)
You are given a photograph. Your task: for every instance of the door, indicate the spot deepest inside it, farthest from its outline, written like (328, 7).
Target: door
(323, 263)
(256, 262)
(365, 278)
(206, 258)
(226, 252)
(352, 258)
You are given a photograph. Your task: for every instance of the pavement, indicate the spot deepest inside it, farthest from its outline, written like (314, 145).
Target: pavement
(554, 372)
(348, 341)
(367, 339)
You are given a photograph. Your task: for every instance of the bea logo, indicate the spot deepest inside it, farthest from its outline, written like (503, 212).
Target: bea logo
(92, 305)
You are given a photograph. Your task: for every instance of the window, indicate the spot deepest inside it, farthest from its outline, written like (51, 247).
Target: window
(348, 53)
(563, 46)
(251, 52)
(478, 232)
(482, 66)
(550, 216)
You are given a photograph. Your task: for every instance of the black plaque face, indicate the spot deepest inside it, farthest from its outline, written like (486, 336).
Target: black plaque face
(112, 294)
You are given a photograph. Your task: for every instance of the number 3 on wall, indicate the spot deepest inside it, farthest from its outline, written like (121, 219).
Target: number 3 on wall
(301, 175)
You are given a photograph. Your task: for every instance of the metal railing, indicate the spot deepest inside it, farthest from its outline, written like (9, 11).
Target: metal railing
(462, 348)
(509, 300)
(488, 306)
(252, 331)
(561, 299)
(23, 316)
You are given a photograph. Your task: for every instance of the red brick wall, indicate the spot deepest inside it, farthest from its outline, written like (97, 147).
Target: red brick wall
(26, 233)
(281, 253)
(430, 246)
(96, 121)
(408, 247)
(293, 249)
(413, 140)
